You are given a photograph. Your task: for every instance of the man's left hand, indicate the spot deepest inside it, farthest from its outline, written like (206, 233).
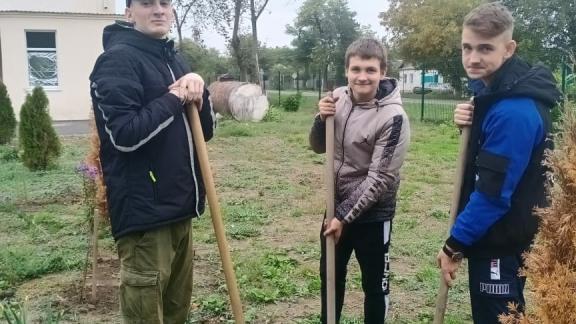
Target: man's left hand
(447, 266)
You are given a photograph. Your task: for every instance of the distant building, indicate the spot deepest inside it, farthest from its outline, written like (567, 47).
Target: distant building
(411, 77)
(53, 44)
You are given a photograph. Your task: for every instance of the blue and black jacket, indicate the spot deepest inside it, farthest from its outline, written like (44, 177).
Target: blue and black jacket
(147, 155)
(505, 178)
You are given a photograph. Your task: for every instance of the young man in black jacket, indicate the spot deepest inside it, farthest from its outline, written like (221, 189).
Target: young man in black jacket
(504, 176)
(140, 88)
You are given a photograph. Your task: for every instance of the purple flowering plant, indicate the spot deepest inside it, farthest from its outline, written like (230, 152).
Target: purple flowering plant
(89, 175)
(87, 171)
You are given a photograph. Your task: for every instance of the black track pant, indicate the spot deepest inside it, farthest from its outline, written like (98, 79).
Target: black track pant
(370, 243)
(494, 283)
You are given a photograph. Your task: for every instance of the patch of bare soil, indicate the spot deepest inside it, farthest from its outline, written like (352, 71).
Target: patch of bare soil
(69, 294)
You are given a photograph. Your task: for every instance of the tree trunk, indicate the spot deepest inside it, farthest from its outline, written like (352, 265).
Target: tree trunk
(340, 75)
(178, 29)
(180, 21)
(236, 40)
(325, 78)
(254, 20)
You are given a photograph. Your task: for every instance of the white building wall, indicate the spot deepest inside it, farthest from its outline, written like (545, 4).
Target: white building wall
(78, 44)
(411, 78)
(78, 6)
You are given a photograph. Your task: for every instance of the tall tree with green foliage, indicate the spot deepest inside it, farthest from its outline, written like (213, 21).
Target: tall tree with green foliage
(199, 14)
(545, 30)
(7, 119)
(427, 33)
(243, 57)
(323, 31)
(208, 62)
(270, 56)
(38, 140)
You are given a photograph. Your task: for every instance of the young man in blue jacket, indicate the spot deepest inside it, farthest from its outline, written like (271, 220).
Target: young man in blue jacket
(140, 88)
(504, 175)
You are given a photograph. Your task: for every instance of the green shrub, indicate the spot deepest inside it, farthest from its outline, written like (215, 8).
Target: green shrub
(7, 119)
(214, 305)
(272, 115)
(8, 154)
(38, 141)
(292, 102)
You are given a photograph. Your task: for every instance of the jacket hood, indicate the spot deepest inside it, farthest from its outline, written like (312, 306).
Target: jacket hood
(516, 78)
(388, 93)
(123, 32)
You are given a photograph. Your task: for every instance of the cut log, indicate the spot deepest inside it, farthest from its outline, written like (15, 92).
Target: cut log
(243, 101)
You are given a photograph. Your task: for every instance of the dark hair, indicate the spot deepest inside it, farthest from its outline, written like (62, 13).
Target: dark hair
(367, 48)
(128, 3)
(490, 19)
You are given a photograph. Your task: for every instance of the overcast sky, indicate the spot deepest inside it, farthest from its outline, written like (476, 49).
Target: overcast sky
(279, 13)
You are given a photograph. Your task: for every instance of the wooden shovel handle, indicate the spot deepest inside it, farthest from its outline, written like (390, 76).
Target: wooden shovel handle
(201, 150)
(330, 208)
(442, 297)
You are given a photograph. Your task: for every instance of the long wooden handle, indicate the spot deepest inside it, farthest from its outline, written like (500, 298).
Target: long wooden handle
(200, 144)
(330, 208)
(442, 297)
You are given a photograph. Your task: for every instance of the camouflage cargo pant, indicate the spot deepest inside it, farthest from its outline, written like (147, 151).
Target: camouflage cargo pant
(156, 275)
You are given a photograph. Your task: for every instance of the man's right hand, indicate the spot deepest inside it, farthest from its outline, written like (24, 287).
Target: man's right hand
(327, 106)
(333, 228)
(189, 88)
(179, 93)
(463, 114)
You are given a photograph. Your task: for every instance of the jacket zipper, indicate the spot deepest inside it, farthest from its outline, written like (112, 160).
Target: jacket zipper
(154, 184)
(191, 148)
(342, 163)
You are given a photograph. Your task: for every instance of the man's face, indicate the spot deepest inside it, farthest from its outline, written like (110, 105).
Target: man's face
(151, 17)
(483, 56)
(364, 76)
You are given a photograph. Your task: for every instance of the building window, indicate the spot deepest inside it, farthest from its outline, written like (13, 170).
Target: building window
(411, 78)
(42, 67)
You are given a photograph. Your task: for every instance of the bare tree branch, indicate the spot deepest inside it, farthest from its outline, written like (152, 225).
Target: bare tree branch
(261, 9)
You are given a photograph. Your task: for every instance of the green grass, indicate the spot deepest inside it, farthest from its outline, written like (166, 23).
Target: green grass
(42, 227)
(270, 190)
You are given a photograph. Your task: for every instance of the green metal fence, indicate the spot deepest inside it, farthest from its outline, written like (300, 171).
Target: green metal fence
(431, 91)
(568, 80)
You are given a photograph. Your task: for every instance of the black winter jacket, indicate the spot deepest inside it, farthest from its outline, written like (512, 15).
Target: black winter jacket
(148, 158)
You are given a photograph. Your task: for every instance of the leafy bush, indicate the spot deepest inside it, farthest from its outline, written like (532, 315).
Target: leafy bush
(7, 119)
(272, 115)
(38, 138)
(214, 305)
(8, 154)
(292, 102)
